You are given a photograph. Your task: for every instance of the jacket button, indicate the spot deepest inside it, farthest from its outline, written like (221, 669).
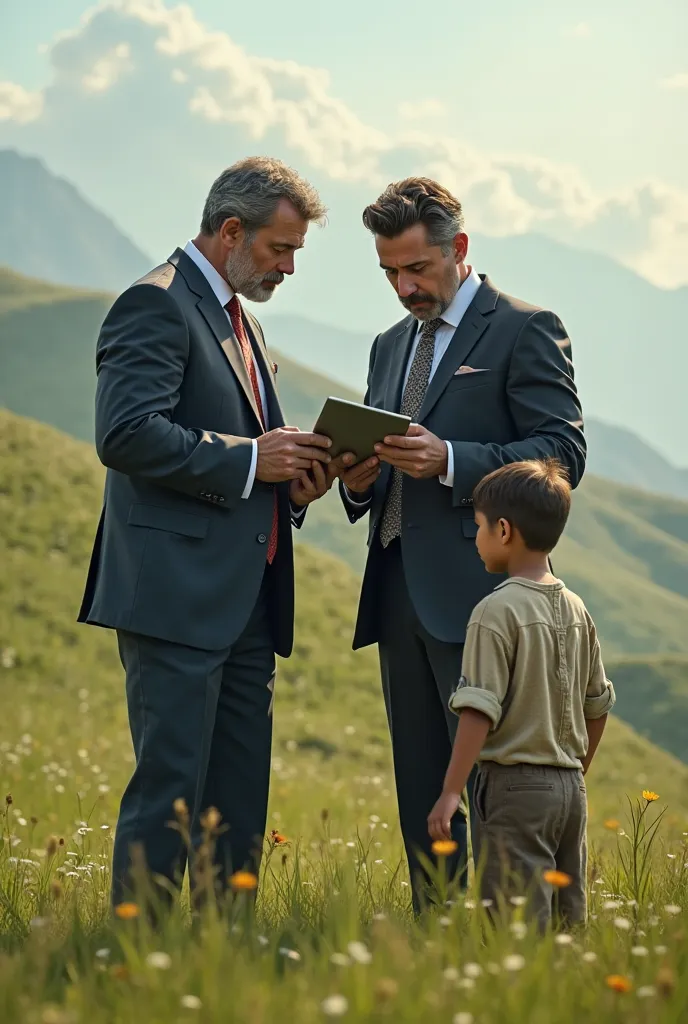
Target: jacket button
(261, 538)
(222, 497)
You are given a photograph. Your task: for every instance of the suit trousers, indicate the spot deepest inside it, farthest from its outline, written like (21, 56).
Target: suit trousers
(201, 725)
(419, 673)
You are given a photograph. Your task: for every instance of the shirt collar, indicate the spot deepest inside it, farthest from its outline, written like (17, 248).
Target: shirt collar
(222, 291)
(461, 301)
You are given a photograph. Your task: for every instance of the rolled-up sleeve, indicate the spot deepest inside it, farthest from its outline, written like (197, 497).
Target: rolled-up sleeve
(599, 696)
(484, 674)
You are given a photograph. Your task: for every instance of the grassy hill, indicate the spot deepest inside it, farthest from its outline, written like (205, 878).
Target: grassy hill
(61, 684)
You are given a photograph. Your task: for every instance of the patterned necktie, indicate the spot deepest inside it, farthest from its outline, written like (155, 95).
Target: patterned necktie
(233, 307)
(411, 402)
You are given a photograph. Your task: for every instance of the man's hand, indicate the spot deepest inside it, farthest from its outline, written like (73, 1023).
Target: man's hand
(285, 452)
(420, 454)
(361, 478)
(309, 486)
(439, 819)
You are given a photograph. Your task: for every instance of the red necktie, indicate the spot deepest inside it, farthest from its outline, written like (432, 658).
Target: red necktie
(233, 307)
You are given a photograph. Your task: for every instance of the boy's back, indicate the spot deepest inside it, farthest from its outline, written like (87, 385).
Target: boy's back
(532, 664)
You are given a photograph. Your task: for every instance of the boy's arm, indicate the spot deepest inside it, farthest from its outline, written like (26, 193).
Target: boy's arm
(595, 728)
(470, 739)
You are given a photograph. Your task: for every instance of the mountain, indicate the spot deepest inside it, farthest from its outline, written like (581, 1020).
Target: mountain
(61, 683)
(50, 231)
(654, 696)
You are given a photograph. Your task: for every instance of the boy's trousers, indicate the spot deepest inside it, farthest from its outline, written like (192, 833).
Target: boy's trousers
(530, 819)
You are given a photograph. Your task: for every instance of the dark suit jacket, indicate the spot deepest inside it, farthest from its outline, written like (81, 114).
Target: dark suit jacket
(179, 554)
(524, 406)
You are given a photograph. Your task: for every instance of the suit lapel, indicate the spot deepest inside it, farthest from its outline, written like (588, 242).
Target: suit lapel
(400, 357)
(466, 336)
(218, 322)
(255, 333)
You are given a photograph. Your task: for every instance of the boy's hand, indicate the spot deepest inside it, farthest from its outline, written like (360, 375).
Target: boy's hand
(439, 819)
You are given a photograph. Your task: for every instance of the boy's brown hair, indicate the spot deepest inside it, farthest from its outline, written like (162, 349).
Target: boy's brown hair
(534, 497)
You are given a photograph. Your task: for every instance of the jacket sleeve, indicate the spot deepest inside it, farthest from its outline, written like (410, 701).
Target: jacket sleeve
(543, 403)
(357, 507)
(141, 357)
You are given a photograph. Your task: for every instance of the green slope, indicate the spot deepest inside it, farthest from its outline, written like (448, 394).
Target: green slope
(61, 684)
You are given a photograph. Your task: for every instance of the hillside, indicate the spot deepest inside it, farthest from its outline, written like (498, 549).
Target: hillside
(654, 696)
(50, 230)
(59, 679)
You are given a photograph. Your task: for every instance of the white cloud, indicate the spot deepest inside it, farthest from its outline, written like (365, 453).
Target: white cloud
(410, 111)
(677, 81)
(17, 104)
(579, 31)
(232, 100)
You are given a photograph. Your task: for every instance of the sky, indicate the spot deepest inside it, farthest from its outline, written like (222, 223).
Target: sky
(551, 118)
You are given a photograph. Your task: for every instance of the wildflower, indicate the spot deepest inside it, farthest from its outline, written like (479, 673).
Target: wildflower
(191, 1002)
(469, 904)
(335, 1006)
(519, 929)
(518, 901)
(463, 1018)
(340, 960)
(8, 800)
(639, 951)
(386, 989)
(646, 992)
(666, 981)
(102, 954)
(180, 808)
(589, 957)
(451, 974)
(359, 952)
(290, 954)
(619, 983)
(243, 881)
(38, 922)
(263, 941)
(445, 922)
(472, 970)
(444, 847)
(557, 879)
(277, 839)
(160, 961)
(661, 950)
(127, 911)
(211, 819)
(622, 923)
(56, 889)
(51, 846)
(563, 939)
(612, 824)
(672, 908)
(514, 962)
(611, 905)
(650, 796)
(466, 983)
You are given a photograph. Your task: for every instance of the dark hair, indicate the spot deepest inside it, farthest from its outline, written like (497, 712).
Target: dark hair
(251, 189)
(416, 201)
(534, 496)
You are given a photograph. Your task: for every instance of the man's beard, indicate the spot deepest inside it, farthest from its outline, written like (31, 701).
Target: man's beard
(434, 309)
(245, 279)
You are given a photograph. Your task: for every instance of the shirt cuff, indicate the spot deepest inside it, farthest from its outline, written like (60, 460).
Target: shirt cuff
(252, 470)
(356, 501)
(478, 699)
(448, 478)
(596, 707)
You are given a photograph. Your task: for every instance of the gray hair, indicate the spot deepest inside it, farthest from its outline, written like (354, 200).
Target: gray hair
(413, 201)
(251, 189)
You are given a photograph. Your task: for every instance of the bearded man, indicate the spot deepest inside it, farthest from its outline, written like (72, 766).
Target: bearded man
(192, 563)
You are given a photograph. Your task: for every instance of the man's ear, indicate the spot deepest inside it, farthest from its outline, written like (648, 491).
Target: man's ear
(231, 232)
(460, 247)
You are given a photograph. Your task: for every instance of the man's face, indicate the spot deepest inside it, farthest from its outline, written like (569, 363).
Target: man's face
(425, 279)
(258, 262)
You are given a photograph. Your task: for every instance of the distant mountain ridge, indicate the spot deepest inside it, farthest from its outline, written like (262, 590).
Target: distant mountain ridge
(49, 230)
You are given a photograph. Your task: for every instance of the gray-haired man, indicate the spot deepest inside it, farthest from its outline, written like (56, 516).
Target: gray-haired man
(192, 563)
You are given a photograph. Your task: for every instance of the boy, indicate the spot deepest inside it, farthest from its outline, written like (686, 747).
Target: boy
(533, 701)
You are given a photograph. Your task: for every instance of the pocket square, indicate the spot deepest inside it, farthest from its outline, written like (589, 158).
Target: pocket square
(469, 369)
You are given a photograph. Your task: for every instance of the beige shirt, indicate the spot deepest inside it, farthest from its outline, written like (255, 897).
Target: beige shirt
(532, 664)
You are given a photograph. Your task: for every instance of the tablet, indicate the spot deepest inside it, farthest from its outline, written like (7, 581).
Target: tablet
(357, 428)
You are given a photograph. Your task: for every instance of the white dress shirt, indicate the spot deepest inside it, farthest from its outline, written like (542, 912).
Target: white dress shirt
(452, 317)
(224, 293)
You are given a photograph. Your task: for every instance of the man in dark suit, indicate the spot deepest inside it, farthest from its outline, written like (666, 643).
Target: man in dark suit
(487, 380)
(192, 563)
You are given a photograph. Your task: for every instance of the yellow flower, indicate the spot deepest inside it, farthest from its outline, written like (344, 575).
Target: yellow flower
(243, 881)
(278, 839)
(650, 796)
(619, 983)
(557, 879)
(127, 911)
(444, 847)
(612, 824)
